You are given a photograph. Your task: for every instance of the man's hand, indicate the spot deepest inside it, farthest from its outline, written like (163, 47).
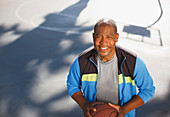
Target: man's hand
(120, 111)
(84, 105)
(89, 107)
(135, 102)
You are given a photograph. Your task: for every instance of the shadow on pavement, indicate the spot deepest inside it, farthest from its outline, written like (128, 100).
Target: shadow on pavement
(132, 31)
(145, 31)
(22, 60)
(26, 60)
(157, 107)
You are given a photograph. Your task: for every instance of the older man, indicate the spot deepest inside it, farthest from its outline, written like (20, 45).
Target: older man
(108, 73)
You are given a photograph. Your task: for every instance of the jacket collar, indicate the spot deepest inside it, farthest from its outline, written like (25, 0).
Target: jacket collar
(94, 56)
(119, 53)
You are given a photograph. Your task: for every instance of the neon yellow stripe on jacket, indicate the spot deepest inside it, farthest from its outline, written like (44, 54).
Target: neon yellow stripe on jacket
(93, 77)
(127, 79)
(89, 77)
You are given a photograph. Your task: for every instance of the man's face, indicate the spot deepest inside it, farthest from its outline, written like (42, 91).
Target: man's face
(105, 40)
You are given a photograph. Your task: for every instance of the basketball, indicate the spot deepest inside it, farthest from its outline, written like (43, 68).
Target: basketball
(103, 110)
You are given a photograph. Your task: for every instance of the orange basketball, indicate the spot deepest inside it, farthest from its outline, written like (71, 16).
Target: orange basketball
(104, 110)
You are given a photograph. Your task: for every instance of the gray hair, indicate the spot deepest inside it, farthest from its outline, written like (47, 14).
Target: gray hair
(106, 21)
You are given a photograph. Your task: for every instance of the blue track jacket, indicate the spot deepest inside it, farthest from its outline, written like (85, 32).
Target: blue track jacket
(132, 73)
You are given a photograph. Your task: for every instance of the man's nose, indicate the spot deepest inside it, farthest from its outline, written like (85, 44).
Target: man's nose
(103, 40)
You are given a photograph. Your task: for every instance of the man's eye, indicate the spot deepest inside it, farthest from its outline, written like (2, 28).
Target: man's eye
(109, 37)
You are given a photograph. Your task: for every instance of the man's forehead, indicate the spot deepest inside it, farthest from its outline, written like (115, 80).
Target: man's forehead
(112, 34)
(107, 28)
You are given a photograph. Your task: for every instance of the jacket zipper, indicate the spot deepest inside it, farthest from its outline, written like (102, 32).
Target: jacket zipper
(97, 79)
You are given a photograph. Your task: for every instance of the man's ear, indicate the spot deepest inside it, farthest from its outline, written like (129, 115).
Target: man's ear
(117, 37)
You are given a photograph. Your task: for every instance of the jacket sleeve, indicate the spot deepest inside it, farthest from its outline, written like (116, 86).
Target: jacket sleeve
(74, 78)
(143, 81)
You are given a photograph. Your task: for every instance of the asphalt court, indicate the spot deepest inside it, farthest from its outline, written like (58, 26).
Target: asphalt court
(39, 40)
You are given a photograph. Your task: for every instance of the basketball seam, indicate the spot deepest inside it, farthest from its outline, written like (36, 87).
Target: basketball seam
(112, 112)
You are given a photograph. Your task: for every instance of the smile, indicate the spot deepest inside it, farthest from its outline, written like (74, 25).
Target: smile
(103, 48)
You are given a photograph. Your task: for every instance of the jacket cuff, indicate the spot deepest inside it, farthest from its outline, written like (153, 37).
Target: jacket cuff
(73, 90)
(146, 95)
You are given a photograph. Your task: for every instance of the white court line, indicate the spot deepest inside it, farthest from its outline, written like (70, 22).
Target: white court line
(18, 9)
(60, 29)
(36, 25)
